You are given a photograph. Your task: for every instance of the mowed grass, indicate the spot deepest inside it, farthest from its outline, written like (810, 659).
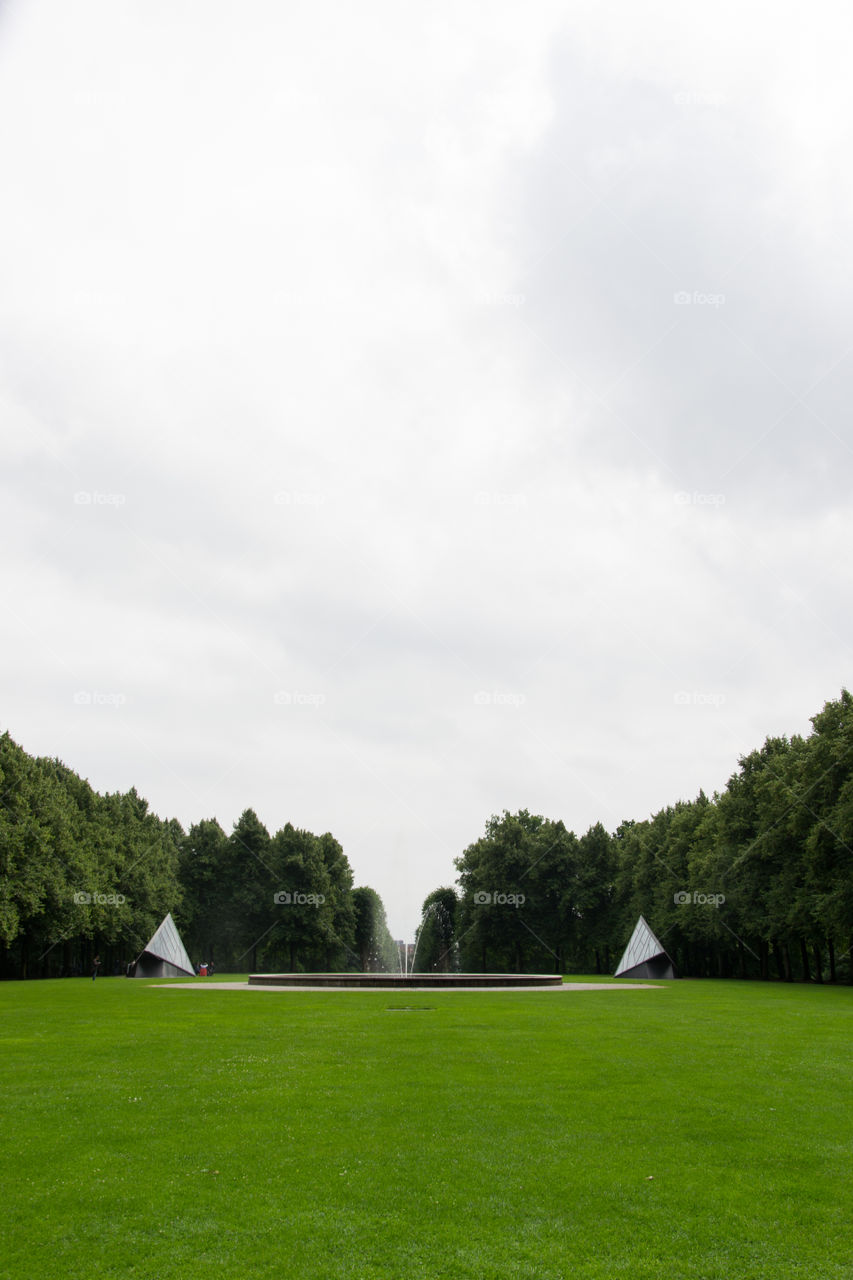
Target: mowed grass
(699, 1130)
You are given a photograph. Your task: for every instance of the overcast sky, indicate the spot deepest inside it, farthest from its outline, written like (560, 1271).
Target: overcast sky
(412, 411)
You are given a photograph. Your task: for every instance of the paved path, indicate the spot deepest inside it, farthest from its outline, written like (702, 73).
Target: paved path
(204, 985)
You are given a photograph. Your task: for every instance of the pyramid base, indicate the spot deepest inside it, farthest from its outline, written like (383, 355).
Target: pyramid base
(659, 967)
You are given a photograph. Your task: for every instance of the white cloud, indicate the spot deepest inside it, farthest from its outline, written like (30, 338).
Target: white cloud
(358, 328)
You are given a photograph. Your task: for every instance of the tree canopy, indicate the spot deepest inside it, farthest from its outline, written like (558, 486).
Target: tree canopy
(756, 880)
(82, 873)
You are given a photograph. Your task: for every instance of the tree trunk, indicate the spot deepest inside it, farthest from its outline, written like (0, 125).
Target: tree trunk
(831, 949)
(818, 963)
(789, 973)
(804, 956)
(779, 959)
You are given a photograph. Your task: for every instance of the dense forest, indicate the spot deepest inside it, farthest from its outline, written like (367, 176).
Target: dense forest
(755, 881)
(82, 873)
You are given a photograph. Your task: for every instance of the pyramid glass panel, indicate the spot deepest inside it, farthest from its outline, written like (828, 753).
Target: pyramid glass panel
(166, 945)
(642, 947)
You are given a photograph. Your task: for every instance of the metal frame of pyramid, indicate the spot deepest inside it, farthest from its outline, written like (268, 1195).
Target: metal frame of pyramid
(165, 955)
(644, 956)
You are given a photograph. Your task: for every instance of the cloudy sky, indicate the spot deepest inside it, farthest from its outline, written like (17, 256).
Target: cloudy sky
(412, 411)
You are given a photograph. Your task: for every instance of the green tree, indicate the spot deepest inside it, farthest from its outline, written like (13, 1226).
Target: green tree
(204, 869)
(248, 889)
(436, 947)
(376, 950)
(302, 917)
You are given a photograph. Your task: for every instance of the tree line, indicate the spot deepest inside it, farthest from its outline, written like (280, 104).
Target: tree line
(755, 881)
(84, 874)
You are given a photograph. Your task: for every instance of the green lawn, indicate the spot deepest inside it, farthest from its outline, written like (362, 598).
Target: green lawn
(703, 1130)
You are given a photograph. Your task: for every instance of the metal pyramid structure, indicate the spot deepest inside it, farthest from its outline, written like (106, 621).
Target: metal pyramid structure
(165, 955)
(644, 955)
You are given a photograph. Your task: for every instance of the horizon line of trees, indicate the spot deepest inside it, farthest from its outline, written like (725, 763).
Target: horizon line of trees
(84, 874)
(754, 882)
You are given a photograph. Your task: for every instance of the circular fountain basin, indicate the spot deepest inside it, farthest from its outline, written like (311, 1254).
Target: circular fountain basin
(438, 981)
